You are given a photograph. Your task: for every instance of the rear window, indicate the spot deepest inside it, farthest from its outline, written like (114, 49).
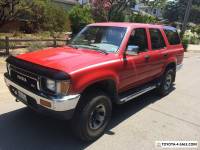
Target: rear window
(172, 36)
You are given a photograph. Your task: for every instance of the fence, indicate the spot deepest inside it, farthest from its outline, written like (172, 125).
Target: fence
(7, 42)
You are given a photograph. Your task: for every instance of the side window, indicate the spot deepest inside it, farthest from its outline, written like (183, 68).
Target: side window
(157, 40)
(172, 36)
(139, 38)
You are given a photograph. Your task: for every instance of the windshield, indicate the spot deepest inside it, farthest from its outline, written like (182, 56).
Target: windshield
(103, 38)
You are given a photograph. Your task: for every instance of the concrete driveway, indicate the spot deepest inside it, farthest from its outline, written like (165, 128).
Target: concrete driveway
(135, 125)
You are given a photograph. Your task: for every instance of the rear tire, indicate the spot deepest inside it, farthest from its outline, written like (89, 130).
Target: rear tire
(167, 82)
(92, 115)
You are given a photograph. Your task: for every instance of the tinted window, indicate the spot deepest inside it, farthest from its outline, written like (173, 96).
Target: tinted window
(172, 36)
(157, 40)
(139, 38)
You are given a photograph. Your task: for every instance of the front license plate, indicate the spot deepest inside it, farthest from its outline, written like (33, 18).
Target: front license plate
(22, 96)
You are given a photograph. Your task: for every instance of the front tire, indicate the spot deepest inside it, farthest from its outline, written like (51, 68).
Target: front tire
(92, 115)
(167, 82)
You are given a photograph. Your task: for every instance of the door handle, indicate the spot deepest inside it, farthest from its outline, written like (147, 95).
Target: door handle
(147, 57)
(165, 55)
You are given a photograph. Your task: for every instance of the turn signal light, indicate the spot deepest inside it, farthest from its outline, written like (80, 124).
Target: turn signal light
(45, 103)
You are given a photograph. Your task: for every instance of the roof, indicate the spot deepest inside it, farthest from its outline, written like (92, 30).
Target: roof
(126, 24)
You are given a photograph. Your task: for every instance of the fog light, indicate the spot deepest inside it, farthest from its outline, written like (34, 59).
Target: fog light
(45, 103)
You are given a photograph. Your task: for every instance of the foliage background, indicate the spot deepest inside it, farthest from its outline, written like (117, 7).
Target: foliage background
(49, 17)
(45, 16)
(37, 15)
(175, 11)
(80, 16)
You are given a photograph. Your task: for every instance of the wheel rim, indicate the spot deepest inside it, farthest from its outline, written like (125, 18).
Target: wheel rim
(168, 81)
(97, 117)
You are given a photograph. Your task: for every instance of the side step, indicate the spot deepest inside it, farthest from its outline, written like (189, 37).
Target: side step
(135, 93)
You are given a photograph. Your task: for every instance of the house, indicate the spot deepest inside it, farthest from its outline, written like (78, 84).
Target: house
(141, 7)
(66, 4)
(83, 2)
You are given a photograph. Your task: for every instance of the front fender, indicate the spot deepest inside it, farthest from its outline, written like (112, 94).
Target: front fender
(82, 80)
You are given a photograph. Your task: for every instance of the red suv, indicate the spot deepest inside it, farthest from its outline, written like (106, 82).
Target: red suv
(105, 64)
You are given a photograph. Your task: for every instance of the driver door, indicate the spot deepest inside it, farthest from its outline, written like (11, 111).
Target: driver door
(137, 67)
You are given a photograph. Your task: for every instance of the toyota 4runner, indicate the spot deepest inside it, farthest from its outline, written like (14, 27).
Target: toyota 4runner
(105, 64)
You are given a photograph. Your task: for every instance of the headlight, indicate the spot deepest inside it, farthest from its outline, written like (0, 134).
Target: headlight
(51, 85)
(56, 87)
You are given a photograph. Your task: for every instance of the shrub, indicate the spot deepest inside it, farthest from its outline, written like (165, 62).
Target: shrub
(193, 38)
(34, 16)
(80, 16)
(56, 19)
(46, 16)
(185, 42)
(196, 29)
(110, 10)
(142, 18)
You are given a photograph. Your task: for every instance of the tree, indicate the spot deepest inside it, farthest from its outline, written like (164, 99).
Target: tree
(154, 3)
(38, 15)
(10, 9)
(175, 11)
(80, 16)
(55, 18)
(194, 14)
(142, 18)
(34, 21)
(49, 17)
(111, 10)
(171, 11)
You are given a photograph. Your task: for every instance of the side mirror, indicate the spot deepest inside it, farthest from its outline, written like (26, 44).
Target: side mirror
(132, 50)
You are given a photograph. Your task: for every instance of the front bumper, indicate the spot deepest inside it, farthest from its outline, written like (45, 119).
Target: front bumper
(63, 104)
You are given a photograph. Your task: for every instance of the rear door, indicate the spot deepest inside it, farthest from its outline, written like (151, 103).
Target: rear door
(157, 46)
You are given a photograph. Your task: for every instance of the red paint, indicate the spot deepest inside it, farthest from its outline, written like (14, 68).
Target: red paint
(87, 67)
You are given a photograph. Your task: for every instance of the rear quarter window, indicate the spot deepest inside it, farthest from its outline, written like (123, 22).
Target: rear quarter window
(172, 36)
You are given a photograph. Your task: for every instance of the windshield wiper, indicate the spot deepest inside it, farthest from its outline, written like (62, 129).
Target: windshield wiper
(94, 47)
(102, 51)
(98, 49)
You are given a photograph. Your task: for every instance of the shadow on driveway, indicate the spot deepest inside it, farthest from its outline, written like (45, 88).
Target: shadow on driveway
(24, 129)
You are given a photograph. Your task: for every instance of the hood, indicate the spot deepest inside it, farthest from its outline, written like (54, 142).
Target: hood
(65, 59)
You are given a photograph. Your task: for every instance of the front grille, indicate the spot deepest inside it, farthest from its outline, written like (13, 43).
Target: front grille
(24, 78)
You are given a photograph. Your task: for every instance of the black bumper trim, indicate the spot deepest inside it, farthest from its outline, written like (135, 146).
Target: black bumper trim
(38, 69)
